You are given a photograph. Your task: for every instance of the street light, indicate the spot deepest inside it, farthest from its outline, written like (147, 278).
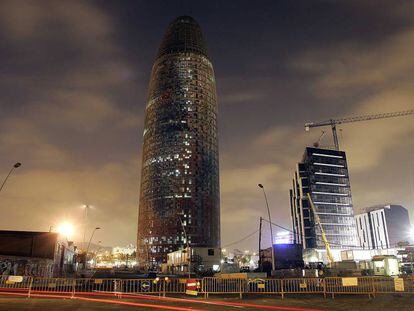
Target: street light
(85, 224)
(65, 229)
(89, 244)
(16, 165)
(270, 225)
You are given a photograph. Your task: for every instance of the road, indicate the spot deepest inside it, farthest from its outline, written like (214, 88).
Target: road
(140, 302)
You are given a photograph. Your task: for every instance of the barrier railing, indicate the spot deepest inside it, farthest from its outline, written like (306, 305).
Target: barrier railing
(329, 286)
(97, 286)
(263, 286)
(349, 285)
(52, 285)
(15, 283)
(222, 286)
(384, 285)
(303, 286)
(147, 286)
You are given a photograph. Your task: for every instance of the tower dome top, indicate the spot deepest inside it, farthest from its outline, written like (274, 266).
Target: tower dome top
(183, 35)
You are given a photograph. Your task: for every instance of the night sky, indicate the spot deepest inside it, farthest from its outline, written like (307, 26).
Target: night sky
(73, 88)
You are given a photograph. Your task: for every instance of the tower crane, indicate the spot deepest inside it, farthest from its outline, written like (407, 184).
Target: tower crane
(316, 143)
(334, 122)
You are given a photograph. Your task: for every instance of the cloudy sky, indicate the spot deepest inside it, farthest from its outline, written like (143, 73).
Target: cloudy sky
(73, 87)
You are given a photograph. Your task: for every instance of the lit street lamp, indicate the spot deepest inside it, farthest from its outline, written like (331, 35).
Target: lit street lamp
(65, 229)
(18, 164)
(89, 244)
(270, 225)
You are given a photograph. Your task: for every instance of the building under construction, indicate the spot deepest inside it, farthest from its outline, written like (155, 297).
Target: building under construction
(323, 173)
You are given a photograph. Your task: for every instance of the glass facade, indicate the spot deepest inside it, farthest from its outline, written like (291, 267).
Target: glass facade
(179, 197)
(324, 174)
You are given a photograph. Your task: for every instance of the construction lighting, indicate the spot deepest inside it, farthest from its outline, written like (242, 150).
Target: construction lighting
(65, 229)
(283, 237)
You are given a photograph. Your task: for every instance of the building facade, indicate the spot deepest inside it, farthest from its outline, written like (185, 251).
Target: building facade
(383, 226)
(179, 196)
(41, 254)
(324, 174)
(194, 259)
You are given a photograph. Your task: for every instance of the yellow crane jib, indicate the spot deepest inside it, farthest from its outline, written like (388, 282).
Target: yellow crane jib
(318, 221)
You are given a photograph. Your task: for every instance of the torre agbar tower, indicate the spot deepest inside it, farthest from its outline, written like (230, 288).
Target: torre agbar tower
(179, 200)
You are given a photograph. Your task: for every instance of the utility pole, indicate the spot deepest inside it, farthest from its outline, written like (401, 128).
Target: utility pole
(270, 226)
(260, 243)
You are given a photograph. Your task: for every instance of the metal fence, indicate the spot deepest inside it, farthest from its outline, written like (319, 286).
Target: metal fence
(14, 283)
(263, 286)
(332, 286)
(329, 286)
(222, 286)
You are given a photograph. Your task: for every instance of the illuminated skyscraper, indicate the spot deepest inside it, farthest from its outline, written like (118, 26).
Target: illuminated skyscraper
(179, 199)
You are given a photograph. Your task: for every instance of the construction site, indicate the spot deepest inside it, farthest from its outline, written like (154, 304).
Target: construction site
(326, 233)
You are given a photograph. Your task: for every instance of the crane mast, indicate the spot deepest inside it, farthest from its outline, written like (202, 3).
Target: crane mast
(333, 122)
(324, 238)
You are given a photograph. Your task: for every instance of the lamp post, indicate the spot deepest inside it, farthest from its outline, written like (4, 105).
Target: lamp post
(85, 224)
(270, 225)
(18, 164)
(89, 244)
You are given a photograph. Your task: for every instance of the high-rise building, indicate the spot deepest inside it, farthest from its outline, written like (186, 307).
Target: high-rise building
(179, 196)
(383, 226)
(324, 174)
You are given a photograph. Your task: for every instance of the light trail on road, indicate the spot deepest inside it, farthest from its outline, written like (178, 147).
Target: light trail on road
(81, 296)
(111, 301)
(222, 303)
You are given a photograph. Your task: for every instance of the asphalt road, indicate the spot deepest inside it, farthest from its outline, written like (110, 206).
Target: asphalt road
(348, 303)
